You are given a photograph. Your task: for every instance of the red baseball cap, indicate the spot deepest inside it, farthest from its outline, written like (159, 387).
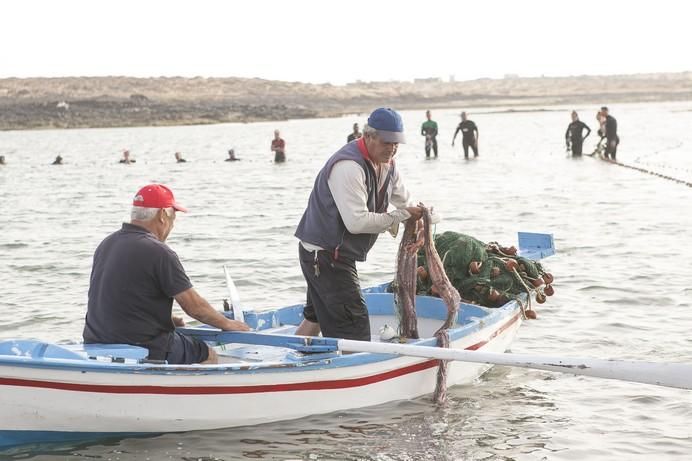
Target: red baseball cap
(156, 196)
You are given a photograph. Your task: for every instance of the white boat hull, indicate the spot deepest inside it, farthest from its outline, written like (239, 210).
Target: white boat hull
(85, 402)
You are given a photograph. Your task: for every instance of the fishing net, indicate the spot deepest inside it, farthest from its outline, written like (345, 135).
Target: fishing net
(487, 274)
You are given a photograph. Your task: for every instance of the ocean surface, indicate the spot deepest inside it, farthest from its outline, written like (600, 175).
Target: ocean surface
(623, 271)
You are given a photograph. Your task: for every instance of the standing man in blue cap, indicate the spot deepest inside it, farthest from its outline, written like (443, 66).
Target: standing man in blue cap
(346, 212)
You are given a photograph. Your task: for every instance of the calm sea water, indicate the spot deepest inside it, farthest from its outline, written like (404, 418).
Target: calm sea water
(623, 272)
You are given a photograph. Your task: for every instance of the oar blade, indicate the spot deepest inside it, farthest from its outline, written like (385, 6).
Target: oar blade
(677, 375)
(234, 296)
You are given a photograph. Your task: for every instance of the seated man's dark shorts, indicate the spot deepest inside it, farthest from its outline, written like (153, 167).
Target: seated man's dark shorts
(187, 350)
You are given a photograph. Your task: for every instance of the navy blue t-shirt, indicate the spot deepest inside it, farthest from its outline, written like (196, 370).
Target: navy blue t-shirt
(134, 278)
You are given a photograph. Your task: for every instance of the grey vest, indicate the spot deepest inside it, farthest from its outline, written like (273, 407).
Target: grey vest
(321, 223)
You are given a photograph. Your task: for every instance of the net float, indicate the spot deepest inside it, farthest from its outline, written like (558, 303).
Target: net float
(548, 277)
(475, 267)
(510, 264)
(422, 273)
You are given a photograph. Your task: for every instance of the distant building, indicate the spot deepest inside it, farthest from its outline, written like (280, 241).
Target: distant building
(63, 105)
(427, 80)
(451, 78)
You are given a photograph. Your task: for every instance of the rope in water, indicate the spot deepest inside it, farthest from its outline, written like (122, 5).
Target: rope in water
(644, 170)
(598, 153)
(658, 152)
(665, 166)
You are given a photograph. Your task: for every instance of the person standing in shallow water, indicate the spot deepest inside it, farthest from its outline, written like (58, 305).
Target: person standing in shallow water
(600, 118)
(57, 161)
(429, 130)
(355, 135)
(2, 160)
(611, 134)
(469, 132)
(278, 147)
(573, 135)
(179, 158)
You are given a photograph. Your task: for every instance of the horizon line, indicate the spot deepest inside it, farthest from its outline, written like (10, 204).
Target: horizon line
(422, 79)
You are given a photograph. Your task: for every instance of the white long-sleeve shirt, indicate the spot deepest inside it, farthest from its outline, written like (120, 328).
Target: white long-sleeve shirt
(347, 185)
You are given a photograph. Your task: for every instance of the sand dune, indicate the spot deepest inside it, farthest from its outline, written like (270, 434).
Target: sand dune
(73, 102)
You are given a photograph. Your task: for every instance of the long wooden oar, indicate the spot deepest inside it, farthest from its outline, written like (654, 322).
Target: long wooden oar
(678, 375)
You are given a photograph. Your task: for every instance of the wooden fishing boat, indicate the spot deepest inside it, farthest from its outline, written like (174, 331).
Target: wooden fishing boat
(62, 392)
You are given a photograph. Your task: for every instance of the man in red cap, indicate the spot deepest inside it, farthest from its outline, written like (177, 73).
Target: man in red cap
(134, 279)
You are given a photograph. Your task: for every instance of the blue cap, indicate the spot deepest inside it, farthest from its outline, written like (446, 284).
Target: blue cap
(388, 124)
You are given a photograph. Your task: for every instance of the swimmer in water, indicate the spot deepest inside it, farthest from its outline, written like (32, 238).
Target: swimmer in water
(231, 156)
(126, 157)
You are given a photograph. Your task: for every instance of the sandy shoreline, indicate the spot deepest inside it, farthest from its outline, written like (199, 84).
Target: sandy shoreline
(90, 102)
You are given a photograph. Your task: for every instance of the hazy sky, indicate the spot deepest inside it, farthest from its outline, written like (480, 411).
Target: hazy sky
(340, 41)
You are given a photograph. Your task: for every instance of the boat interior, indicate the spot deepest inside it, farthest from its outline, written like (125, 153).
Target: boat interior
(271, 341)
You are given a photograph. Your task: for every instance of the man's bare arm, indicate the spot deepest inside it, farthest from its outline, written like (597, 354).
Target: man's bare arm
(198, 308)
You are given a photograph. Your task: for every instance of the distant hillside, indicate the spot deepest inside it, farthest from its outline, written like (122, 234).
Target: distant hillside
(74, 102)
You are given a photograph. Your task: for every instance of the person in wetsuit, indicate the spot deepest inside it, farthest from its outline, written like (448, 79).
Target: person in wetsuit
(611, 134)
(355, 135)
(469, 132)
(573, 135)
(429, 130)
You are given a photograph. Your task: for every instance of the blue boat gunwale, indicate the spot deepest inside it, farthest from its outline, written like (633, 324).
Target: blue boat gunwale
(472, 324)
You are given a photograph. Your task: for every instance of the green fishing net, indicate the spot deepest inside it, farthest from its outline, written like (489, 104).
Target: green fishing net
(485, 273)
